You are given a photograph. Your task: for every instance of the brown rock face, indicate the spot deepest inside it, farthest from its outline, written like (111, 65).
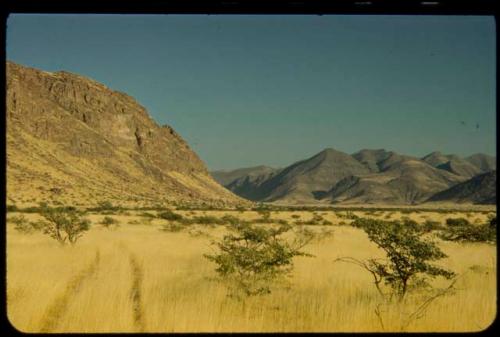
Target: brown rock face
(69, 133)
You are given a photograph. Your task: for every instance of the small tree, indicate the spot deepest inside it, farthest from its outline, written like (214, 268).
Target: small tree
(63, 225)
(254, 257)
(407, 256)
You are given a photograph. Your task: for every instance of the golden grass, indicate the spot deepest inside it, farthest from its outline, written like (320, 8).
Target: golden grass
(148, 280)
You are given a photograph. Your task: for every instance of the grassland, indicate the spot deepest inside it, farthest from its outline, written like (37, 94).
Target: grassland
(137, 278)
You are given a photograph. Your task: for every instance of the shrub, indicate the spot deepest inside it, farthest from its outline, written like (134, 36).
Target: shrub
(22, 225)
(407, 256)
(171, 216)
(63, 225)
(457, 222)
(230, 220)
(470, 233)
(108, 221)
(12, 208)
(253, 258)
(430, 225)
(172, 227)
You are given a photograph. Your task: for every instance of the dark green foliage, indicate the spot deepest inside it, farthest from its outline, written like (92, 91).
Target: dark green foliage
(486, 232)
(108, 221)
(408, 255)
(207, 220)
(240, 209)
(457, 222)
(430, 225)
(171, 216)
(147, 215)
(64, 224)
(105, 207)
(230, 220)
(253, 257)
(316, 220)
(493, 222)
(22, 225)
(172, 227)
(12, 208)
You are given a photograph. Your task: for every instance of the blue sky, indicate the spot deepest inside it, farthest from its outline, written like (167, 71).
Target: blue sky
(251, 90)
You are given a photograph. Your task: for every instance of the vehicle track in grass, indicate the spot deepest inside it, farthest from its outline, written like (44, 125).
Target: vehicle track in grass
(136, 293)
(59, 306)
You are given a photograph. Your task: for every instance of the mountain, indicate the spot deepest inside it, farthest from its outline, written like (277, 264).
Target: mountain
(482, 161)
(72, 140)
(365, 177)
(453, 164)
(306, 180)
(480, 189)
(246, 182)
(371, 158)
(225, 177)
(400, 180)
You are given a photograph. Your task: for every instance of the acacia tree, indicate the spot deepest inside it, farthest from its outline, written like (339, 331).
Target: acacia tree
(254, 256)
(408, 256)
(64, 225)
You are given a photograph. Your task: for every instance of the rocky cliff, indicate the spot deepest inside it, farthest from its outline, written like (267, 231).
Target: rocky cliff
(73, 140)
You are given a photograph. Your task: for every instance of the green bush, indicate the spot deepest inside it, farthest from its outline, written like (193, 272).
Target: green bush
(12, 208)
(470, 233)
(171, 216)
(22, 225)
(172, 227)
(457, 222)
(108, 221)
(408, 256)
(430, 225)
(63, 224)
(253, 257)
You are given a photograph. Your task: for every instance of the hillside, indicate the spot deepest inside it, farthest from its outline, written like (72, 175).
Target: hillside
(479, 190)
(72, 140)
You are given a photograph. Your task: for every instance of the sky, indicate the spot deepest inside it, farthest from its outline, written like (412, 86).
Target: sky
(272, 90)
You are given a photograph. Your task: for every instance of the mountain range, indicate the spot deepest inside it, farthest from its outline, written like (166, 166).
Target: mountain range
(369, 176)
(73, 140)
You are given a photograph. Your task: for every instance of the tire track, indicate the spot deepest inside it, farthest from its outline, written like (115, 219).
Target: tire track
(136, 294)
(59, 306)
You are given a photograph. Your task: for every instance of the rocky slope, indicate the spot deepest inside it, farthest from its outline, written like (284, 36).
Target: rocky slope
(73, 140)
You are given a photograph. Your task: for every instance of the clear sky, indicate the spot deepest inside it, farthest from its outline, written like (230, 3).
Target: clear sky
(251, 90)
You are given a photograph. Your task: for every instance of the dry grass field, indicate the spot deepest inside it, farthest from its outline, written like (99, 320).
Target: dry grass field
(137, 278)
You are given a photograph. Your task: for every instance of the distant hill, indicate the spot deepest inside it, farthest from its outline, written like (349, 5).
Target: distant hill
(74, 141)
(480, 189)
(246, 182)
(365, 177)
(225, 177)
(484, 162)
(453, 164)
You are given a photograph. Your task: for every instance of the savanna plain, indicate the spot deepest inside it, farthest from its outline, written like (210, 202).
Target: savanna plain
(136, 274)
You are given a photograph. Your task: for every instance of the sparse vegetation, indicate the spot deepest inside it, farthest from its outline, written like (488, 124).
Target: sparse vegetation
(176, 294)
